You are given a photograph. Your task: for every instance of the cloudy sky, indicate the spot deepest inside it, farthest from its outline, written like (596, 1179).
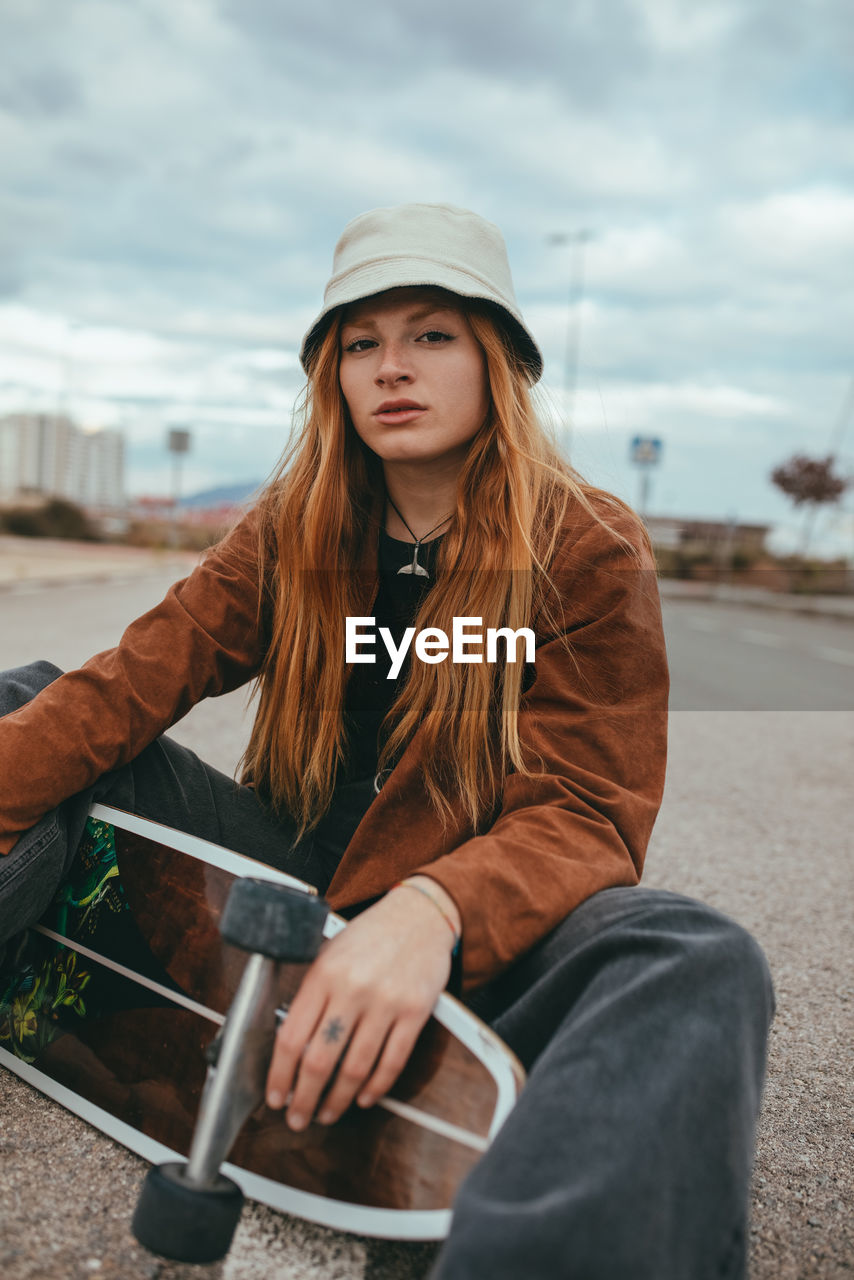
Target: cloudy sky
(174, 175)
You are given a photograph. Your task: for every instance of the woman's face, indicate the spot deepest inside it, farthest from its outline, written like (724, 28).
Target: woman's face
(413, 375)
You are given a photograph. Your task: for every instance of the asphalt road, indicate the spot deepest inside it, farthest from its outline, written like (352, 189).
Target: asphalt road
(756, 820)
(722, 656)
(726, 657)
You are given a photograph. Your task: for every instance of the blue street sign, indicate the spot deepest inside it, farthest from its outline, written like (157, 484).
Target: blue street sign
(645, 451)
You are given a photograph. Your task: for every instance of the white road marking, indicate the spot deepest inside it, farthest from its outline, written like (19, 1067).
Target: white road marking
(835, 655)
(768, 638)
(771, 640)
(37, 586)
(55, 584)
(698, 623)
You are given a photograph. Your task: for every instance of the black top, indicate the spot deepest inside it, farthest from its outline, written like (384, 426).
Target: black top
(370, 692)
(369, 696)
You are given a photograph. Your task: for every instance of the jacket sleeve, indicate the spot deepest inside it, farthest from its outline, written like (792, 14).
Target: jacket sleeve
(597, 718)
(202, 639)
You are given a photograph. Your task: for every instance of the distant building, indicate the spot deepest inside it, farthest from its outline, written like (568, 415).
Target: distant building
(693, 537)
(147, 509)
(48, 455)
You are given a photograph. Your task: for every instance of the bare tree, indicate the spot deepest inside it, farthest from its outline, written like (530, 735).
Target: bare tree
(809, 482)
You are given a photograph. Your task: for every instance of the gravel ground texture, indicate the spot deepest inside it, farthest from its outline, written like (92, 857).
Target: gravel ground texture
(775, 854)
(757, 822)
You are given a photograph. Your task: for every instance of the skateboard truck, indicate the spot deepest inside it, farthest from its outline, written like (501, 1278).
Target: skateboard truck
(189, 1211)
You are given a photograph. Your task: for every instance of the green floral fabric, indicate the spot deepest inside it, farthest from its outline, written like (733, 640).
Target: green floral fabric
(43, 984)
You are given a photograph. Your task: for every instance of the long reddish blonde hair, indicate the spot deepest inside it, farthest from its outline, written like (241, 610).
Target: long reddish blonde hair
(512, 495)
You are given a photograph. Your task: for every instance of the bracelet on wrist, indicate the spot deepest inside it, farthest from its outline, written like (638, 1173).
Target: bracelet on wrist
(407, 884)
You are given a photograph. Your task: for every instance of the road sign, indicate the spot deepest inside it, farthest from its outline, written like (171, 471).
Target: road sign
(179, 440)
(646, 451)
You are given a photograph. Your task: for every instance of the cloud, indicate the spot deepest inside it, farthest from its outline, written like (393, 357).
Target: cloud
(806, 231)
(176, 173)
(679, 27)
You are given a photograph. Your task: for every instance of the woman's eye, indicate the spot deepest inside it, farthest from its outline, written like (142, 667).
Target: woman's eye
(436, 336)
(360, 344)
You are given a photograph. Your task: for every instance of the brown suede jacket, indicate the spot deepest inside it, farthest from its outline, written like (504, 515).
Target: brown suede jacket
(597, 720)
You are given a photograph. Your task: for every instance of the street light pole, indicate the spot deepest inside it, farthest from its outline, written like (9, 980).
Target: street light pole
(178, 443)
(577, 240)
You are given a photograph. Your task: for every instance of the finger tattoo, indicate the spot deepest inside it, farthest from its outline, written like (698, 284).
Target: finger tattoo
(333, 1031)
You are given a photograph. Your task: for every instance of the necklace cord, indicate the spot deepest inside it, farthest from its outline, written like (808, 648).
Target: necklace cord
(418, 541)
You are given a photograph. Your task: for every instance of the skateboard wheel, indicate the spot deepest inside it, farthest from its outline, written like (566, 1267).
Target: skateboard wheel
(184, 1222)
(274, 920)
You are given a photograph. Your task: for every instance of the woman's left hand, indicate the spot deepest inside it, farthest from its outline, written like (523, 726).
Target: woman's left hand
(362, 1005)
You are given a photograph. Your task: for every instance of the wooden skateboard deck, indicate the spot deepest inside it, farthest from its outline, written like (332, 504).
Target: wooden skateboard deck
(109, 1003)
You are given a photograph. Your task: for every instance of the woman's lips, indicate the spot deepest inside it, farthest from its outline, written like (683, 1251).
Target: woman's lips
(394, 417)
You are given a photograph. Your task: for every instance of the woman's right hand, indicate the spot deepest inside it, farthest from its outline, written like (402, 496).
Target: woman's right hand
(361, 1008)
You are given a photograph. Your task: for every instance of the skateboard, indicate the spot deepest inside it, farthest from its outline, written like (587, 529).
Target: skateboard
(148, 995)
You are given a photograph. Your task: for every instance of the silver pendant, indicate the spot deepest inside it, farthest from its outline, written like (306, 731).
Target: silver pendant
(415, 567)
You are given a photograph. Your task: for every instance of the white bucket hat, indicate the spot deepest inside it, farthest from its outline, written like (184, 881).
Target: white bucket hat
(424, 244)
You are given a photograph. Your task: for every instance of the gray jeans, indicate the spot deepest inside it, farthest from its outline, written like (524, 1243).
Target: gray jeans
(642, 1020)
